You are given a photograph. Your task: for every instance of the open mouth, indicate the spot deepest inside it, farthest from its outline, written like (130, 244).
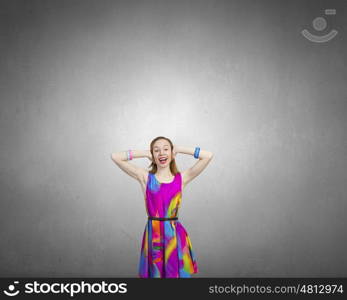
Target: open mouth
(163, 160)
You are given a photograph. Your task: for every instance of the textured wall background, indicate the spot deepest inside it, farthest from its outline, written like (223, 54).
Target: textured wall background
(82, 79)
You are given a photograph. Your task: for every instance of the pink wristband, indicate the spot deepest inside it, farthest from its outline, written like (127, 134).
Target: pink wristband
(131, 154)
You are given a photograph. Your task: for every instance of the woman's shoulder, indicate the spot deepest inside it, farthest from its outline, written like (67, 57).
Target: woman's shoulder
(147, 174)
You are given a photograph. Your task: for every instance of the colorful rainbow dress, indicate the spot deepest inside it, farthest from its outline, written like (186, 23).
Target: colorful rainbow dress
(166, 250)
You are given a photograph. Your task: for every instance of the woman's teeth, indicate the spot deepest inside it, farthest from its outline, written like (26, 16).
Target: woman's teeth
(163, 160)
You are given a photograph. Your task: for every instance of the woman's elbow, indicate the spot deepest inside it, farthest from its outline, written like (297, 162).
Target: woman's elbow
(116, 157)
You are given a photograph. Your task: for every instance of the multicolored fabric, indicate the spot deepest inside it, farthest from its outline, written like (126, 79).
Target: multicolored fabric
(166, 249)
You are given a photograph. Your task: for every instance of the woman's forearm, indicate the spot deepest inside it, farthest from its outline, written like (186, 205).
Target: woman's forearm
(190, 150)
(122, 155)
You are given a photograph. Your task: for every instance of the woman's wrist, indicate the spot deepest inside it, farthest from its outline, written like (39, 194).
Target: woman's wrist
(184, 150)
(131, 154)
(199, 153)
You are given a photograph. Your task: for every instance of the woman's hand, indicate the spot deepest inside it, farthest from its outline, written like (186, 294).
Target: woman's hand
(174, 151)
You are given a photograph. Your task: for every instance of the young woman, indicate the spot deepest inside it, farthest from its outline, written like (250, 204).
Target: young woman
(166, 249)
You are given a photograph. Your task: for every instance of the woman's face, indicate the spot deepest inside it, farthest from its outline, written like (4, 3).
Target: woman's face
(162, 153)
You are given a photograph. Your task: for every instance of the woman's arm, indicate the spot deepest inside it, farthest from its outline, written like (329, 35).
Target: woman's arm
(204, 159)
(121, 160)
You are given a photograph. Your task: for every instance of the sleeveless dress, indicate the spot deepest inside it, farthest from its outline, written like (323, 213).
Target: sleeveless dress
(166, 250)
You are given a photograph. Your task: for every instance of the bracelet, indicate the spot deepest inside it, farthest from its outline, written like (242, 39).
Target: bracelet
(197, 151)
(129, 154)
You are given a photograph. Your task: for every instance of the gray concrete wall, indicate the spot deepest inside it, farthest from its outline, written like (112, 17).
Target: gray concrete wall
(82, 79)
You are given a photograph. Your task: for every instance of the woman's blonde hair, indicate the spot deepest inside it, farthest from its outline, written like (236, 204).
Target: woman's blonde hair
(153, 165)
